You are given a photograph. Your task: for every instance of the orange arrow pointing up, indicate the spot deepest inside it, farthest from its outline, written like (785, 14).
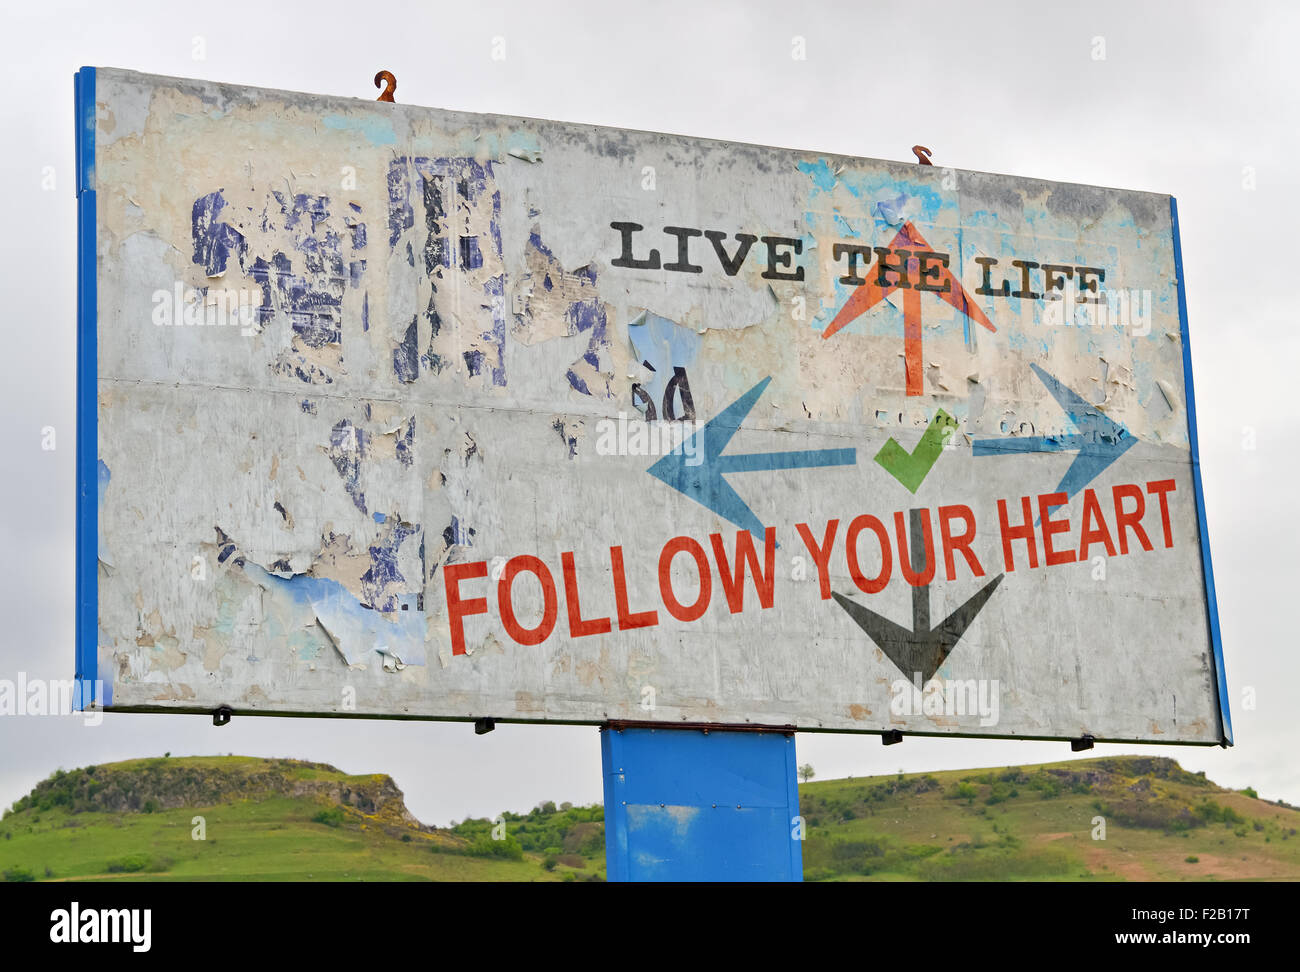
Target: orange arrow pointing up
(944, 285)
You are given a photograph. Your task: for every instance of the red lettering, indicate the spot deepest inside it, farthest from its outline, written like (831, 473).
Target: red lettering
(1130, 521)
(1159, 488)
(905, 553)
(876, 584)
(1091, 512)
(675, 607)
(821, 555)
(459, 608)
(626, 619)
(1023, 532)
(962, 543)
(550, 609)
(578, 627)
(1052, 527)
(733, 585)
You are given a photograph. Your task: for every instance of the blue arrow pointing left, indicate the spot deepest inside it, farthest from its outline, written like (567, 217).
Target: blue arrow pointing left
(703, 481)
(1100, 440)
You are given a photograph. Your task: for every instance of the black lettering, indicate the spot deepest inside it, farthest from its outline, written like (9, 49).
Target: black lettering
(775, 259)
(1024, 291)
(1054, 277)
(680, 385)
(639, 393)
(626, 259)
(683, 264)
(854, 252)
(930, 265)
(985, 289)
(731, 265)
(899, 269)
(1086, 286)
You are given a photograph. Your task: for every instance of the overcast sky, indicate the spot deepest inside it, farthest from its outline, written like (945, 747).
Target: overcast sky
(1186, 99)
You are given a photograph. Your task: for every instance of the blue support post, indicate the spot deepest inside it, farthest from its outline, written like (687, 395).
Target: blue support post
(696, 804)
(87, 517)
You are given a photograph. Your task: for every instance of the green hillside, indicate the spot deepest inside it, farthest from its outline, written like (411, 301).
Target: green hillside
(264, 820)
(1162, 823)
(279, 819)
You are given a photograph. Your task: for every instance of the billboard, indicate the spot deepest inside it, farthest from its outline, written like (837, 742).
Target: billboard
(393, 411)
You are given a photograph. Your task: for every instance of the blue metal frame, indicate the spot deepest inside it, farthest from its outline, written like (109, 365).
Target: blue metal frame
(700, 805)
(1211, 602)
(87, 559)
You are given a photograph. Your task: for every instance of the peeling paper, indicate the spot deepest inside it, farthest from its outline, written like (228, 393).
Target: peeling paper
(1167, 390)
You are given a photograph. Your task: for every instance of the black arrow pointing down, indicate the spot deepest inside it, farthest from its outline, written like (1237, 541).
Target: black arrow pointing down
(923, 648)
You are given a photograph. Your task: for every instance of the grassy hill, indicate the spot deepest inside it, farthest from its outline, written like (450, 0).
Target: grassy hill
(263, 820)
(1162, 823)
(279, 819)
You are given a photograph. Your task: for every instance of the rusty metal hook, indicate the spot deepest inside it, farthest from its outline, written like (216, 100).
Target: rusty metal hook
(922, 153)
(388, 92)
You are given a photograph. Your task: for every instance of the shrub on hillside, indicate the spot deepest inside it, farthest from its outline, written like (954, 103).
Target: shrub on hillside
(137, 863)
(330, 817)
(999, 792)
(995, 865)
(507, 848)
(963, 791)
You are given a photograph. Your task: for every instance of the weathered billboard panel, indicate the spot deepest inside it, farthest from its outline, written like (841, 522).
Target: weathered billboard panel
(395, 411)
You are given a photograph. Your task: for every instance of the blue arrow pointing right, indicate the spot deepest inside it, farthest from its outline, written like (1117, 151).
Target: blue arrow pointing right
(1100, 440)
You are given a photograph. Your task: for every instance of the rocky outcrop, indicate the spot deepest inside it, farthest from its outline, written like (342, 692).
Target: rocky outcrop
(145, 786)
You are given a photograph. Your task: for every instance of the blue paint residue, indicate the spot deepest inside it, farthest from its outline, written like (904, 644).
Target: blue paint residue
(376, 129)
(356, 630)
(383, 574)
(495, 290)
(494, 227)
(535, 241)
(458, 535)
(820, 172)
(431, 181)
(406, 444)
(587, 316)
(307, 283)
(348, 446)
(358, 231)
(406, 356)
(584, 315)
(214, 240)
(524, 143)
(843, 224)
(470, 256)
